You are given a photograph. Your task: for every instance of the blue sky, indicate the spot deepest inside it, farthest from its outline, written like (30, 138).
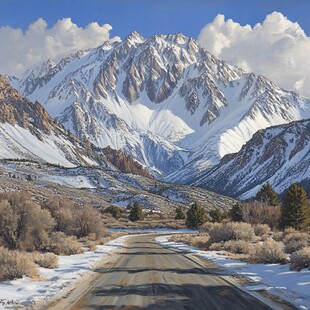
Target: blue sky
(150, 16)
(52, 29)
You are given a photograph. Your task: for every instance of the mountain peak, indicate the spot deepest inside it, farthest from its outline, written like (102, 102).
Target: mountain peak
(134, 38)
(180, 38)
(164, 100)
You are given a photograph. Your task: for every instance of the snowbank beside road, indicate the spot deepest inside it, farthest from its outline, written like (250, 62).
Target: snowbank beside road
(276, 279)
(25, 291)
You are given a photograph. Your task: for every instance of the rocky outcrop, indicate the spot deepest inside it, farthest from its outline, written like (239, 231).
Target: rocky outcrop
(14, 109)
(278, 155)
(123, 162)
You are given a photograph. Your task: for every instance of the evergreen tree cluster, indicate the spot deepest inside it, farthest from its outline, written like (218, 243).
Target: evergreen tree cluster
(179, 214)
(294, 211)
(136, 212)
(267, 195)
(195, 216)
(295, 208)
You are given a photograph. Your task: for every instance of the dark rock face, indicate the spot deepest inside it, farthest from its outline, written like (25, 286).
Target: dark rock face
(123, 162)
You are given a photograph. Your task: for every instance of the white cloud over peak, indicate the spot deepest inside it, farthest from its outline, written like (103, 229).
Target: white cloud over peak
(22, 50)
(277, 48)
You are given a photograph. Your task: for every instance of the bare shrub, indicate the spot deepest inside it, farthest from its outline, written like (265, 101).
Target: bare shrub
(182, 238)
(47, 260)
(261, 230)
(300, 259)
(206, 227)
(62, 211)
(87, 221)
(241, 231)
(295, 241)
(74, 219)
(238, 246)
(231, 231)
(261, 213)
(216, 246)
(64, 245)
(200, 241)
(220, 232)
(289, 230)
(269, 252)
(91, 245)
(14, 265)
(278, 236)
(23, 224)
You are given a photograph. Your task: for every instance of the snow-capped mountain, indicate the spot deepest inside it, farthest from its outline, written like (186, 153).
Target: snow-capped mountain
(28, 132)
(165, 101)
(279, 155)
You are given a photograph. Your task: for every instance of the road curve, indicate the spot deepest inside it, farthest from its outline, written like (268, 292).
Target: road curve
(147, 276)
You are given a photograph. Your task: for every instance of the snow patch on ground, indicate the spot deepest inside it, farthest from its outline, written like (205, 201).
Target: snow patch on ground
(70, 181)
(71, 268)
(279, 280)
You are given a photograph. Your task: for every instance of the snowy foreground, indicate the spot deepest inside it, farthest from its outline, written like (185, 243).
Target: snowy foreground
(71, 268)
(276, 279)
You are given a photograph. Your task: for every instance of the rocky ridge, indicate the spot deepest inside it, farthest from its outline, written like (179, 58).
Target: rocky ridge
(23, 122)
(279, 155)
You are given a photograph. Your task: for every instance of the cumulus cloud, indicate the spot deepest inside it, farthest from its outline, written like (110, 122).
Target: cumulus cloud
(22, 50)
(276, 48)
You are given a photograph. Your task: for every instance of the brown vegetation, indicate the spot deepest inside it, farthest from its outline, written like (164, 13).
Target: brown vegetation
(47, 260)
(15, 264)
(244, 241)
(61, 227)
(221, 232)
(61, 244)
(295, 241)
(269, 252)
(23, 224)
(261, 213)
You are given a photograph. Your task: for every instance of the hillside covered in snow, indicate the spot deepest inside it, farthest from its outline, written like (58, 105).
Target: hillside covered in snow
(279, 155)
(165, 101)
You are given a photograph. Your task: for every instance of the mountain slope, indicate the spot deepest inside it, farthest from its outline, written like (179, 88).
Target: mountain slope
(165, 101)
(39, 146)
(28, 132)
(279, 155)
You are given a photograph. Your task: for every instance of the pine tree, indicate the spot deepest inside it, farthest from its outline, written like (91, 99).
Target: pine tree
(179, 214)
(29, 177)
(295, 210)
(136, 213)
(267, 195)
(235, 213)
(115, 211)
(195, 216)
(217, 216)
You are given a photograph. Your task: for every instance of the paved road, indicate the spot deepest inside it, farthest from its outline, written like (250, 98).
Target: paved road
(148, 276)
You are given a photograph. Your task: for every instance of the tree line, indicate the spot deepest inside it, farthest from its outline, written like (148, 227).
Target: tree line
(294, 211)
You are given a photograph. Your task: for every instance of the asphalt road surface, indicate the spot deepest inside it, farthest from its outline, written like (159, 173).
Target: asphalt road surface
(148, 276)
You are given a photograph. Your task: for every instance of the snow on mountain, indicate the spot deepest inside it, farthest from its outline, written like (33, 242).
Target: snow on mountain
(28, 132)
(165, 101)
(279, 155)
